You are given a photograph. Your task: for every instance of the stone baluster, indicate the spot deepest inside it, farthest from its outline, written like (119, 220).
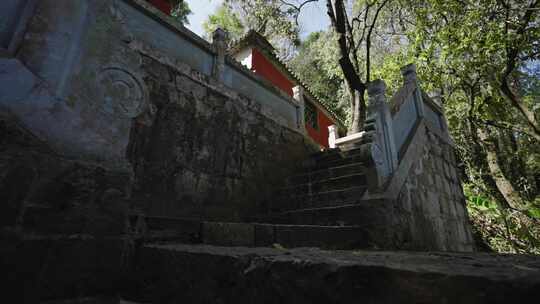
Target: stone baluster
(437, 99)
(384, 151)
(298, 95)
(409, 78)
(219, 42)
(332, 136)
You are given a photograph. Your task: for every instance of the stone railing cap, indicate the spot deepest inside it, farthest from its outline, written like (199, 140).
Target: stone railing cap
(376, 87)
(219, 35)
(298, 88)
(409, 72)
(409, 68)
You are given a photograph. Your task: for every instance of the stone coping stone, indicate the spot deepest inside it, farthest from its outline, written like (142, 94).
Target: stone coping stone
(255, 234)
(91, 300)
(211, 274)
(367, 213)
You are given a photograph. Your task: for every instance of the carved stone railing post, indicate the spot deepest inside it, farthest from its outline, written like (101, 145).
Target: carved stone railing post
(437, 99)
(409, 78)
(219, 42)
(298, 95)
(383, 149)
(332, 136)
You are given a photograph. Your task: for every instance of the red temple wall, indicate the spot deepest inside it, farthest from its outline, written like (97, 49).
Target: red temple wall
(320, 135)
(162, 5)
(263, 67)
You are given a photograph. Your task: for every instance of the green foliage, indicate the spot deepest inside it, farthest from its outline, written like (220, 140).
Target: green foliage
(225, 18)
(181, 11)
(317, 64)
(270, 18)
(462, 50)
(506, 231)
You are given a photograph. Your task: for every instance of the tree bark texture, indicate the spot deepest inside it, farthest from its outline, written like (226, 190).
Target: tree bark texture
(504, 186)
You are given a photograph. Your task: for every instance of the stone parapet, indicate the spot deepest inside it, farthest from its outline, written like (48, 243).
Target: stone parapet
(263, 275)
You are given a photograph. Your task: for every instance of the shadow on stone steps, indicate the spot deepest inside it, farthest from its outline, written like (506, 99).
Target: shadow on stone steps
(210, 274)
(165, 229)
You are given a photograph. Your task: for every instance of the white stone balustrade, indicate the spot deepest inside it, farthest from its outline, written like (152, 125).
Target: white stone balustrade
(334, 140)
(220, 39)
(298, 95)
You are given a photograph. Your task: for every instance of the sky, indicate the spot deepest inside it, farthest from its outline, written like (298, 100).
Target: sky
(313, 16)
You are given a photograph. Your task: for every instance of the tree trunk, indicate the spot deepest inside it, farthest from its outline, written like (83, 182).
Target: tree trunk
(358, 113)
(527, 114)
(504, 186)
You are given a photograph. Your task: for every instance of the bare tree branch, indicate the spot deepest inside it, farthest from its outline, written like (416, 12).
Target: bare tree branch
(297, 8)
(337, 18)
(512, 54)
(368, 38)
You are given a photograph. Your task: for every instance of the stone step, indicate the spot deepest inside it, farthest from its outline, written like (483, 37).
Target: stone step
(367, 213)
(325, 185)
(332, 172)
(334, 154)
(169, 235)
(288, 236)
(338, 197)
(314, 166)
(339, 162)
(332, 158)
(163, 228)
(170, 273)
(256, 234)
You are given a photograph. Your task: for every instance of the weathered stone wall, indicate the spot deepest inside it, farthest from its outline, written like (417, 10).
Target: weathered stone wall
(75, 78)
(431, 212)
(206, 151)
(119, 84)
(43, 192)
(243, 275)
(421, 203)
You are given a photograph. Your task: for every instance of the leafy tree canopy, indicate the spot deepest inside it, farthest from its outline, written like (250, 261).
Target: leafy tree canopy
(224, 17)
(181, 11)
(481, 57)
(270, 18)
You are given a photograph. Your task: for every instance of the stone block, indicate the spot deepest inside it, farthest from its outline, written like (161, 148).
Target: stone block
(431, 203)
(291, 236)
(208, 274)
(264, 235)
(189, 86)
(228, 234)
(446, 169)
(439, 165)
(186, 230)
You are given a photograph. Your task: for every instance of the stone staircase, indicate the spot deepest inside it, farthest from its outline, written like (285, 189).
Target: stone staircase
(307, 247)
(318, 207)
(330, 178)
(183, 231)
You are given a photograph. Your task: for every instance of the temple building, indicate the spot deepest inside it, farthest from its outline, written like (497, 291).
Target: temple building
(256, 53)
(163, 5)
